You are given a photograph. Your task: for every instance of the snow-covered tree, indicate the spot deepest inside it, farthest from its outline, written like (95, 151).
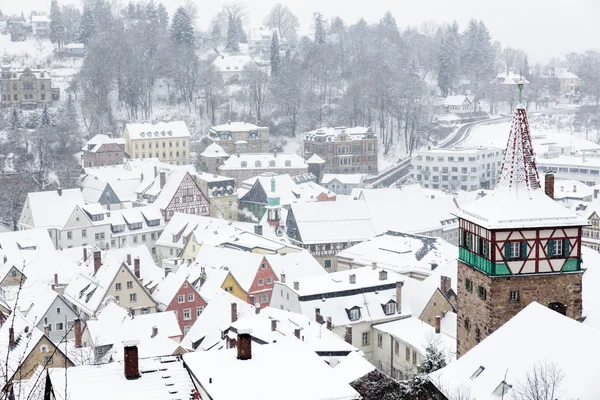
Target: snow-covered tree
(320, 32)
(233, 42)
(14, 121)
(434, 359)
(57, 28)
(378, 386)
(242, 37)
(275, 56)
(163, 16)
(87, 28)
(449, 60)
(182, 31)
(282, 19)
(45, 120)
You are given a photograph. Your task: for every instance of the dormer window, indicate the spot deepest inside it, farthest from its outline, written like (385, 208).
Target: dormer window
(244, 164)
(257, 164)
(354, 313)
(288, 163)
(272, 163)
(97, 217)
(389, 308)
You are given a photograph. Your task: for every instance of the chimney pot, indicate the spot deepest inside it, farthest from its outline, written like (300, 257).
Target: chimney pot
(77, 329)
(296, 285)
(318, 315)
(131, 361)
(438, 324)
(234, 315)
(97, 261)
(399, 297)
(128, 259)
(136, 267)
(56, 279)
(445, 284)
(297, 332)
(244, 344)
(273, 325)
(47, 330)
(282, 278)
(84, 254)
(163, 179)
(329, 323)
(257, 308)
(549, 185)
(374, 265)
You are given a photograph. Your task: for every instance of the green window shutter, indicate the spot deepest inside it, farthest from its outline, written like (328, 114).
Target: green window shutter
(523, 250)
(507, 251)
(567, 247)
(550, 248)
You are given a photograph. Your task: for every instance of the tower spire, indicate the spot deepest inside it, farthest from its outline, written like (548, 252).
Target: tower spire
(518, 167)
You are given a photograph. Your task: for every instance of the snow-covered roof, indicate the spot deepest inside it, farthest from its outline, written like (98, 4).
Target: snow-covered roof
(333, 222)
(401, 252)
(352, 367)
(168, 287)
(216, 318)
(240, 126)
(214, 150)
(457, 100)
(564, 73)
(511, 78)
(114, 325)
(295, 372)
(41, 298)
(242, 265)
(419, 334)
(315, 159)
(75, 46)
(87, 290)
(265, 160)
(40, 18)
(160, 378)
(62, 206)
(229, 63)
(39, 74)
(158, 130)
(95, 143)
(570, 189)
(517, 347)
(163, 195)
(295, 265)
(346, 179)
(286, 188)
(339, 132)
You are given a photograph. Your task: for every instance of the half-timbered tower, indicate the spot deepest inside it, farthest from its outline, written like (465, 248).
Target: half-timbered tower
(516, 246)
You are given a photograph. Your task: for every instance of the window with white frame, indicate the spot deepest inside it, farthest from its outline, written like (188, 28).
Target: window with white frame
(190, 297)
(515, 249)
(264, 298)
(187, 314)
(261, 282)
(379, 340)
(199, 311)
(390, 308)
(365, 338)
(180, 298)
(354, 314)
(132, 297)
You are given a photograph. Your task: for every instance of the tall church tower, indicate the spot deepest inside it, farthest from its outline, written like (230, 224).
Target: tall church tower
(516, 246)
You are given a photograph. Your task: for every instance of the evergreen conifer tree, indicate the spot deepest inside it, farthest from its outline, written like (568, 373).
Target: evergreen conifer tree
(163, 16)
(15, 119)
(87, 26)
(275, 55)
(449, 59)
(242, 37)
(45, 120)
(233, 43)
(182, 31)
(57, 28)
(320, 34)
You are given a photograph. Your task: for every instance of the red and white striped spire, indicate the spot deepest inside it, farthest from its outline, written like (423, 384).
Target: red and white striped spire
(519, 169)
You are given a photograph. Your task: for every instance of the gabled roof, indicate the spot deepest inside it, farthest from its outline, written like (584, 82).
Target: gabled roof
(168, 287)
(97, 141)
(62, 206)
(315, 159)
(527, 340)
(216, 318)
(158, 130)
(286, 189)
(243, 266)
(295, 372)
(346, 179)
(295, 265)
(161, 378)
(235, 126)
(279, 161)
(214, 150)
(457, 100)
(232, 63)
(353, 367)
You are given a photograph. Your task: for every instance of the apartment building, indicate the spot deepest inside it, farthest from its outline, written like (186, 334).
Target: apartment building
(221, 194)
(245, 166)
(345, 150)
(241, 137)
(103, 150)
(167, 141)
(26, 88)
(457, 169)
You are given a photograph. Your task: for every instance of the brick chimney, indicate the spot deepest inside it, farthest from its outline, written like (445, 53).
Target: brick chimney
(399, 297)
(282, 277)
(163, 179)
(234, 315)
(244, 344)
(59, 191)
(348, 336)
(445, 284)
(136, 267)
(131, 361)
(84, 254)
(374, 265)
(549, 185)
(97, 261)
(56, 279)
(128, 259)
(438, 324)
(318, 315)
(154, 331)
(273, 325)
(11, 337)
(329, 323)
(202, 276)
(77, 330)
(46, 329)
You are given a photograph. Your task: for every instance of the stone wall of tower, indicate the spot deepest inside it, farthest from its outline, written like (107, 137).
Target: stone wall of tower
(491, 313)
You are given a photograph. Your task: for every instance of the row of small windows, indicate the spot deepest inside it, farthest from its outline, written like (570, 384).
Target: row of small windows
(164, 144)
(164, 154)
(258, 164)
(514, 250)
(570, 170)
(458, 159)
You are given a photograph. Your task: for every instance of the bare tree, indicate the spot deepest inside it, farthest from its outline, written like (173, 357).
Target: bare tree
(542, 383)
(257, 83)
(288, 89)
(284, 20)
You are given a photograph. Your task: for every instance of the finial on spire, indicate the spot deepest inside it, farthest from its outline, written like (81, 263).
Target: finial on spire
(521, 85)
(273, 184)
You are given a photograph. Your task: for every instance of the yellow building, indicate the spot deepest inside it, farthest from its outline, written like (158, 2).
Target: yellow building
(231, 285)
(591, 233)
(221, 194)
(167, 141)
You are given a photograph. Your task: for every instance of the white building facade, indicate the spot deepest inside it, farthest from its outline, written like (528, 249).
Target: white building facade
(457, 169)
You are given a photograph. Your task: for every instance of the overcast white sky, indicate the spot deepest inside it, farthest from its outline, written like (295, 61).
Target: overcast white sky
(543, 28)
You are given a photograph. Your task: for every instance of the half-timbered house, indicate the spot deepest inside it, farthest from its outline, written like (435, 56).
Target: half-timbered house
(517, 246)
